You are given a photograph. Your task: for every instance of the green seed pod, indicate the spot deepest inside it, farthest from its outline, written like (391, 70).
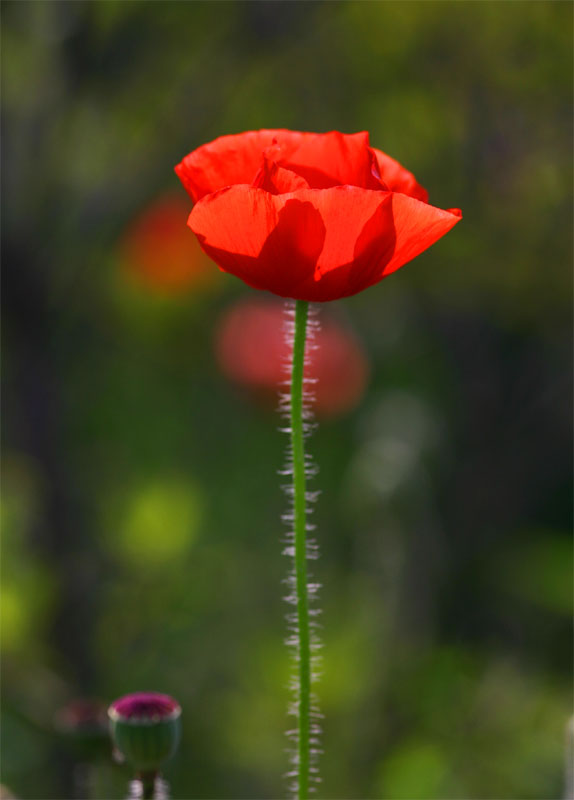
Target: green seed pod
(145, 728)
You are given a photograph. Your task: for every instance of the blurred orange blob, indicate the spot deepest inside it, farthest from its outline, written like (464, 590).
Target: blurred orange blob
(253, 351)
(159, 249)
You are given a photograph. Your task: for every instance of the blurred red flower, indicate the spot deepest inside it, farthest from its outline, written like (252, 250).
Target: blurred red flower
(253, 351)
(82, 715)
(305, 215)
(158, 250)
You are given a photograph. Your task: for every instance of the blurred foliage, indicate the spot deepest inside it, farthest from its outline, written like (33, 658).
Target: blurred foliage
(141, 502)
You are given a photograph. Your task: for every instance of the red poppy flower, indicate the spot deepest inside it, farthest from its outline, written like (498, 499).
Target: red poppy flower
(158, 250)
(310, 216)
(252, 350)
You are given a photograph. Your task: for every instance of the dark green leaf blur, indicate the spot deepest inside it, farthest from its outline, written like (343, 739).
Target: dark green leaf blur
(141, 501)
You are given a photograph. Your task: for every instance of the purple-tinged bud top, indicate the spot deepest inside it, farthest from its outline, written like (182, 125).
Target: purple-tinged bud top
(144, 707)
(145, 728)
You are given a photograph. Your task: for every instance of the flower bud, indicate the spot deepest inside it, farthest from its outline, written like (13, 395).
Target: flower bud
(145, 728)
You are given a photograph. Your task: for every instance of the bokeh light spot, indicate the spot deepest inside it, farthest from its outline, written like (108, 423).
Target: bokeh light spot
(160, 523)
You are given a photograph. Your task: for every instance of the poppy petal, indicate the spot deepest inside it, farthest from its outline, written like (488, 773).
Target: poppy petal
(277, 180)
(397, 178)
(334, 159)
(233, 159)
(270, 241)
(360, 239)
(417, 226)
(395, 229)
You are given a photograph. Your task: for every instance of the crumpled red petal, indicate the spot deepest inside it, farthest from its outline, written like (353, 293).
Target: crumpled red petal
(270, 241)
(399, 179)
(232, 159)
(334, 159)
(417, 226)
(276, 179)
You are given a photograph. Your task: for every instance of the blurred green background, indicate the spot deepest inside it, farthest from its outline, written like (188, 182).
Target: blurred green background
(141, 511)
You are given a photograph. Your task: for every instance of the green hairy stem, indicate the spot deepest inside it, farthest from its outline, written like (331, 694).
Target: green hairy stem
(300, 515)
